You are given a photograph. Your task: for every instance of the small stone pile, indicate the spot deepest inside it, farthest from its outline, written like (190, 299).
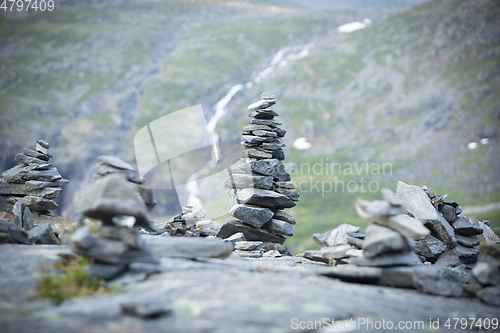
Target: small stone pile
(485, 277)
(337, 245)
(115, 202)
(192, 222)
(260, 187)
(256, 249)
(454, 238)
(34, 181)
(389, 238)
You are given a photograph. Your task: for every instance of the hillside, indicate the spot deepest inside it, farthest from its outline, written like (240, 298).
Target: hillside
(412, 89)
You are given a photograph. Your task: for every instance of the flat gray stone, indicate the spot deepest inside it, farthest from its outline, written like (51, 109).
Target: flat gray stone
(208, 228)
(328, 255)
(384, 208)
(32, 153)
(246, 245)
(265, 133)
(262, 104)
(20, 173)
(255, 140)
(26, 160)
(240, 180)
(463, 226)
(251, 128)
(430, 248)
(381, 240)
(279, 227)
(264, 198)
(39, 204)
(468, 241)
(237, 237)
(29, 188)
(267, 122)
(43, 234)
(252, 215)
(251, 234)
(255, 153)
(41, 149)
(281, 215)
(458, 256)
(266, 167)
(418, 204)
(295, 196)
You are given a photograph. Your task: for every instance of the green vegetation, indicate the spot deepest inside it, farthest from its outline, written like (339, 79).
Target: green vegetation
(71, 280)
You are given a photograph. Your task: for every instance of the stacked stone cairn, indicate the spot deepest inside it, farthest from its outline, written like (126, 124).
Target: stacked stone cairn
(192, 222)
(337, 245)
(34, 181)
(454, 239)
(389, 239)
(260, 187)
(29, 189)
(120, 203)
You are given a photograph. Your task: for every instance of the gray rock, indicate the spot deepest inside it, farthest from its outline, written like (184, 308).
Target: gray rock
(263, 114)
(438, 200)
(251, 128)
(16, 233)
(295, 196)
(264, 198)
(267, 122)
(279, 227)
(279, 154)
(487, 274)
(249, 254)
(350, 273)
(355, 241)
(252, 215)
(430, 247)
(463, 226)
(43, 143)
(384, 208)
(266, 167)
(17, 211)
(146, 309)
(255, 140)
(28, 222)
(418, 204)
(249, 181)
(265, 133)
(488, 234)
(41, 149)
(273, 146)
(262, 104)
(429, 280)
(32, 153)
(43, 234)
(188, 247)
(468, 241)
(268, 96)
(20, 173)
(281, 215)
(357, 234)
(281, 132)
(381, 240)
(387, 260)
(26, 160)
(208, 228)
(237, 237)
(490, 295)
(114, 196)
(106, 271)
(338, 236)
(29, 188)
(39, 204)
(328, 255)
(457, 256)
(251, 234)
(448, 211)
(272, 254)
(36, 184)
(255, 153)
(457, 274)
(247, 246)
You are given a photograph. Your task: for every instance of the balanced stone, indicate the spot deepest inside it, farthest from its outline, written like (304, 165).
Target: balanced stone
(249, 181)
(262, 104)
(267, 167)
(281, 215)
(279, 227)
(20, 174)
(264, 198)
(468, 241)
(380, 240)
(252, 215)
(255, 153)
(251, 234)
(464, 227)
(267, 96)
(23, 159)
(448, 211)
(268, 122)
(35, 154)
(41, 149)
(263, 114)
(38, 204)
(264, 133)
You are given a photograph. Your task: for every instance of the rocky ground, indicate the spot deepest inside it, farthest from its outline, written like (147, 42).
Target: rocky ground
(215, 295)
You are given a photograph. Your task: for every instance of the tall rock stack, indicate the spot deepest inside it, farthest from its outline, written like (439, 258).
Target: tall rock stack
(34, 181)
(260, 187)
